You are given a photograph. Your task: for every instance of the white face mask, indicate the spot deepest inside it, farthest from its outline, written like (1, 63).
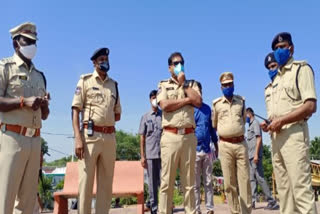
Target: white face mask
(29, 51)
(154, 103)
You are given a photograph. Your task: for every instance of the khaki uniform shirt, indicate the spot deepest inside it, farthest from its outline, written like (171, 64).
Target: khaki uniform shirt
(290, 89)
(17, 81)
(96, 98)
(180, 118)
(229, 118)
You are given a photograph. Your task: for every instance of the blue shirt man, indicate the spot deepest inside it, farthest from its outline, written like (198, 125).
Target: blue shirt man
(205, 134)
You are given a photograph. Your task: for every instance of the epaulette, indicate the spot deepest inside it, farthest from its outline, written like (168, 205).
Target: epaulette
(5, 61)
(270, 84)
(83, 76)
(300, 62)
(240, 97)
(167, 80)
(216, 100)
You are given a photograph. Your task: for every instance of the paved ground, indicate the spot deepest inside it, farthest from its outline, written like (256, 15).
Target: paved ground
(219, 209)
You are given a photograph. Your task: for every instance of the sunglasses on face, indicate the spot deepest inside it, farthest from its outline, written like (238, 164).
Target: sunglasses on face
(177, 62)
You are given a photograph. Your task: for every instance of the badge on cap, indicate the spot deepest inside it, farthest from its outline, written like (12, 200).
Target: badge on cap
(280, 39)
(269, 58)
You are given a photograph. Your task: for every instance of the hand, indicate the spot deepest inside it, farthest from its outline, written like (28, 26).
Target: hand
(144, 163)
(264, 126)
(79, 148)
(45, 100)
(33, 102)
(276, 125)
(181, 78)
(256, 159)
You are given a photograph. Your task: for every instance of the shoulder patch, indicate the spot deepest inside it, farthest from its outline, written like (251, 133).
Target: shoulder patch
(84, 76)
(216, 100)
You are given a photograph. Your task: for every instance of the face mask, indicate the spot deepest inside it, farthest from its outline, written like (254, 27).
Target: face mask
(104, 66)
(154, 103)
(29, 51)
(228, 92)
(248, 120)
(272, 74)
(178, 68)
(282, 55)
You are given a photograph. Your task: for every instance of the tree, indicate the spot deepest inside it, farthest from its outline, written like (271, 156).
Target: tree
(216, 168)
(315, 148)
(267, 164)
(128, 146)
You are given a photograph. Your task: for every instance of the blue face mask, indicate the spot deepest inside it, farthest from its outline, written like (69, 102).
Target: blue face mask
(272, 74)
(228, 92)
(104, 66)
(248, 120)
(178, 68)
(282, 55)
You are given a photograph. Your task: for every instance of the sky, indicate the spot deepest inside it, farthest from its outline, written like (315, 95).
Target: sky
(213, 36)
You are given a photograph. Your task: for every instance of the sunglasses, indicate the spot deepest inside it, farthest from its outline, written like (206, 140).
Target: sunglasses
(177, 62)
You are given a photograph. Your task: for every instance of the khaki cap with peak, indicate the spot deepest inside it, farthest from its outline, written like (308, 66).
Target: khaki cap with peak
(27, 29)
(226, 77)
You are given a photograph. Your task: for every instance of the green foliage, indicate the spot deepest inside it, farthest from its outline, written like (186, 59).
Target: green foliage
(59, 186)
(128, 200)
(44, 147)
(177, 197)
(267, 164)
(60, 162)
(45, 190)
(128, 146)
(315, 148)
(216, 168)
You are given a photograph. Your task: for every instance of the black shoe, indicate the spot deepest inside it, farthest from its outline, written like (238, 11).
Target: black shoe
(253, 205)
(272, 205)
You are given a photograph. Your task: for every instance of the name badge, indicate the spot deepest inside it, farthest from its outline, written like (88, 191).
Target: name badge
(23, 77)
(95, 88)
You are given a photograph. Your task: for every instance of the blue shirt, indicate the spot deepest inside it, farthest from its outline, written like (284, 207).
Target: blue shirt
(204, 130)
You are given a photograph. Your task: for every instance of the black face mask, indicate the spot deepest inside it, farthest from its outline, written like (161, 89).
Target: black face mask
(104, 66)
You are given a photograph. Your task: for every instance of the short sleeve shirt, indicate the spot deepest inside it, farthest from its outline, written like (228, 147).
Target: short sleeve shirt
(97, 99)
(180, 118)
(253, 131)
(229, 118)
(16, 80)
(150, 127)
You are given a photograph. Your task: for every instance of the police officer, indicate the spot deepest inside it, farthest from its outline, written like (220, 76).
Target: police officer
(97, 98)
(150, 131)
(23, 104)
(228, 118)
(255, 148)
(291, 100)
(177, 98)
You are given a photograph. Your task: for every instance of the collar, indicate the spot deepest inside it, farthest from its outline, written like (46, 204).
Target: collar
(96, 75)
(224, 99)
(287, 66)
(20, 62)
(154, 112)
(173, 80)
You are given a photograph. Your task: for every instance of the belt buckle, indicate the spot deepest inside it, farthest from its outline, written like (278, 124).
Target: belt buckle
(30, 132)
(181, 131)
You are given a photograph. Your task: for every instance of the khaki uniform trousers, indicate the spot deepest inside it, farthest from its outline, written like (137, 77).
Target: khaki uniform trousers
(235, 169)
(177, 151)
(19, 167)
(291, 165)
(99, 155)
